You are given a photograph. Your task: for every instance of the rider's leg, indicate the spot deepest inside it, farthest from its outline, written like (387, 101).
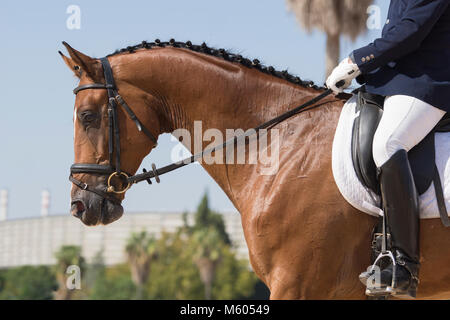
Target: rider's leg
(405, 122)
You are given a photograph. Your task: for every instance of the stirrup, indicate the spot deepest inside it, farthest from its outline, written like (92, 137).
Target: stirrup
(375, 289)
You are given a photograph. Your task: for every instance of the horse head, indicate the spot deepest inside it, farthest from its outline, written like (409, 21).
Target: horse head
(108, 144)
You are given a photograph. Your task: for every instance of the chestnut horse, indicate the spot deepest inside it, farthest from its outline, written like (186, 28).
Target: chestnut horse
(305, 241)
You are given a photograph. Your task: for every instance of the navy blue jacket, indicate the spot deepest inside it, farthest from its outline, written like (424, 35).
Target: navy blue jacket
(412, 57)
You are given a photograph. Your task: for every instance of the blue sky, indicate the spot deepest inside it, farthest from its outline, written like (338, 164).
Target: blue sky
(36, 131)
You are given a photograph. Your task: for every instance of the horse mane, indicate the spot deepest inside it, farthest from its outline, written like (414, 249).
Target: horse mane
(223, 54)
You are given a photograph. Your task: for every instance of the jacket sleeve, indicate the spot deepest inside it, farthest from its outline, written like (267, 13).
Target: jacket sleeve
(405, 37)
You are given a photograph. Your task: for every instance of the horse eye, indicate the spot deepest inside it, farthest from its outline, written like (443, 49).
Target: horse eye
(87, 117)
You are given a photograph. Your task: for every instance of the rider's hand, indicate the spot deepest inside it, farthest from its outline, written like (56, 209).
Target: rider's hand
(346, 71)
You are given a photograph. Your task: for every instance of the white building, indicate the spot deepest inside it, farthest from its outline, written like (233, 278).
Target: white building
(34, 241)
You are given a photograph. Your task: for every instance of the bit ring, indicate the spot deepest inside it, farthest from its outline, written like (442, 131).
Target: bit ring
(111, 189)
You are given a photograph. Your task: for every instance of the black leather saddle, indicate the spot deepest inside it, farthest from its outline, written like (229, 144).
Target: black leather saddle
(369, 111)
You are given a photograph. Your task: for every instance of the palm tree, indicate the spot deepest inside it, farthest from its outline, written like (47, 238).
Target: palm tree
(207, 245)
(65, 257)
(141, 251)
(335, 18)
(205, 217)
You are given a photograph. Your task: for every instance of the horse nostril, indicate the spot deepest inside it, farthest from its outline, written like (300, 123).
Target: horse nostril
(78, 208)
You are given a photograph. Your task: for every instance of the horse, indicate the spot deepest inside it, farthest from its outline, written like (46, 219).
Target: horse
(305, 241)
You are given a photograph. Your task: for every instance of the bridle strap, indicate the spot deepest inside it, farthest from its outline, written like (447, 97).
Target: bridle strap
(115, 97)
(114, 167)
(111, 88)
(114, 132)
(133, 117)
(109, 78)
(85, 186)
(91, 168)
(90, 86)
(110, 134)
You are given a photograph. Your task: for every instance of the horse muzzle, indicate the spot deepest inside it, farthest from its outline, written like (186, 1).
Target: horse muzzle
(94, 210)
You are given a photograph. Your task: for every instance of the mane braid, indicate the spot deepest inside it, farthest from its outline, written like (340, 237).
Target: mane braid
(223, 54)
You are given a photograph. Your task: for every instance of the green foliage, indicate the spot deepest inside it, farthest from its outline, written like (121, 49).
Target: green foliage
(233, 278)
(173, 275)
(206, 218)
(94, 270)
(2, 280)
(28, 283)
(206, 243)
(113, 283)
(140, 244)
(141, 252)
(66, 256)
(69, 255)
(208, 248)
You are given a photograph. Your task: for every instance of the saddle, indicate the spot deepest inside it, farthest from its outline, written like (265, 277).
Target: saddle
(422, 157)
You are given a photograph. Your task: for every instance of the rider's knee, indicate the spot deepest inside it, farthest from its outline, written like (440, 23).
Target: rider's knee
(384, 147)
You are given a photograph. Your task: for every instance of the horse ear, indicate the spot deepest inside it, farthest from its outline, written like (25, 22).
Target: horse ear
(81, 63)
(72, 65)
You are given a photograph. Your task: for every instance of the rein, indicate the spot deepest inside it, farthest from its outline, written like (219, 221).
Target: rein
(113, 168)
(155, 173)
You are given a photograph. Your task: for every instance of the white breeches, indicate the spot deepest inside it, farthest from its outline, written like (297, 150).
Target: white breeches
(405, 122)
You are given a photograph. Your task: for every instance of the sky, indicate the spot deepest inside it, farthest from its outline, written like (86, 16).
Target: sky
(36, 100)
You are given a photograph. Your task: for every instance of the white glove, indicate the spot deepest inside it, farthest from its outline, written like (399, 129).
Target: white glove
(345, 72)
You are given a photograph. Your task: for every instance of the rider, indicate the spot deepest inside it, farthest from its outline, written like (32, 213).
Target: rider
(410, 65)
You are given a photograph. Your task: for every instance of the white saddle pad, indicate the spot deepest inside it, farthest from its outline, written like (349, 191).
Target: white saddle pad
(365, 200)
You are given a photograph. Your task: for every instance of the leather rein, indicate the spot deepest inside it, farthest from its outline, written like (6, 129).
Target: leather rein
(113, 169)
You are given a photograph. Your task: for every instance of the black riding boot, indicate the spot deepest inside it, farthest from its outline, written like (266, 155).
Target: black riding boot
(401, 207)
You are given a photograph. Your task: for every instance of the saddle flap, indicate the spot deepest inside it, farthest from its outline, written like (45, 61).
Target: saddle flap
(369, 111)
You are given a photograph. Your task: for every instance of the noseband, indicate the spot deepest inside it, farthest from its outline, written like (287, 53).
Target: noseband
(113, 169)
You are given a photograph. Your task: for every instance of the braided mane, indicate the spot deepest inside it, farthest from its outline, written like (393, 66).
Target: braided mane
(224, 54)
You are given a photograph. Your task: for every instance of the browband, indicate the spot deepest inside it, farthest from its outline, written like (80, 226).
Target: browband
(93, 86)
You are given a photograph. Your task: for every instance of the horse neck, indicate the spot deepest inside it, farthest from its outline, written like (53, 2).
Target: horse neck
(222, 95)
(193, 86)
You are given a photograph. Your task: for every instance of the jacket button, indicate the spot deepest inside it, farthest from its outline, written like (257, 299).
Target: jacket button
(372, 56)
(367, 58)
(363, 59)
(387, 21)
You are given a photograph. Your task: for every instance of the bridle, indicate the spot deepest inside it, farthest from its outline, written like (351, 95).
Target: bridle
(113, 169)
